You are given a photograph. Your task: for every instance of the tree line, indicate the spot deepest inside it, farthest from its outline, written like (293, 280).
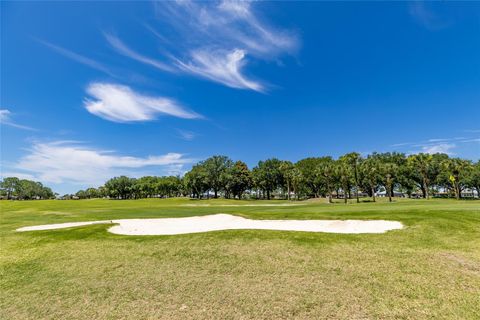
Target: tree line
(350, 176)
(131, 188)
(23, 189)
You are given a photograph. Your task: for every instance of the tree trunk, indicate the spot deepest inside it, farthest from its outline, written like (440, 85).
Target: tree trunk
(268, 194)
(373, 194)
(425, 188)
(288, 191)
(216, 193)
(389, 188)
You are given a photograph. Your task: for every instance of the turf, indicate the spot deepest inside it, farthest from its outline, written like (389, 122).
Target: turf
(430, 269)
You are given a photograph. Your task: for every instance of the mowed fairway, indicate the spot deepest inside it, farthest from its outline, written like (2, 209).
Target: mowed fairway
(430, 269)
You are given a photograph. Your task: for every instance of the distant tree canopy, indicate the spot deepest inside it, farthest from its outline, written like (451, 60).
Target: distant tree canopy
(131, 188)
(15, 188)
(350, 176)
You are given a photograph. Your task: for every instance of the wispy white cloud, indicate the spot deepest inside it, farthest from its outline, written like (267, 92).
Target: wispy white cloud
(115, 72)
(260, 38)
(6, 120)
(123, 49)
(424, 14)
(470, 140)
(445, 139)
(211, 40)
(223, 34)
(437, 145)
(120, 103)
(16, 174)
(439, 148)
(402, 144)
(77, 57)
(75, 163)
(227, 24)
(186, 135)
(220, 66)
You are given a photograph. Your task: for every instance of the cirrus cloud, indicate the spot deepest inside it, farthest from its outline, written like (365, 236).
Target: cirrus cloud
(423, 12)
(211, 40)
(119, 103)
(123, 49)
(77, 57)
(72, 162)
(448, 146)
(220, 66)
(439, 148)
(6, 120)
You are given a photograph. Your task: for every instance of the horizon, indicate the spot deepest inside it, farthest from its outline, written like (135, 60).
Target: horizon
(95, 90)
(251, 168)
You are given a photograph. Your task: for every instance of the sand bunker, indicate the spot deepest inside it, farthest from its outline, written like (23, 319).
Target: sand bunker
(62, 225)
(217, 222)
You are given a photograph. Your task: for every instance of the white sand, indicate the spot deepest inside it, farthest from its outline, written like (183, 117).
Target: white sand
(61, 225)
(216, 222)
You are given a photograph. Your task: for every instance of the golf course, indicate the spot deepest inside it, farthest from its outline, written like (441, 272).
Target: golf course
(239, 160)
(429, 269)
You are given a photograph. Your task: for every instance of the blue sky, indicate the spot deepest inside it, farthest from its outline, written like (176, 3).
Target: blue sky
(90, 90)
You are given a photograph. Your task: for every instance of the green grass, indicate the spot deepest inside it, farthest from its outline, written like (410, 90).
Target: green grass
(430, 269)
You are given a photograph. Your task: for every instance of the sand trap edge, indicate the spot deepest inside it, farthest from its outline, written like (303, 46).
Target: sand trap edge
(220, 222)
